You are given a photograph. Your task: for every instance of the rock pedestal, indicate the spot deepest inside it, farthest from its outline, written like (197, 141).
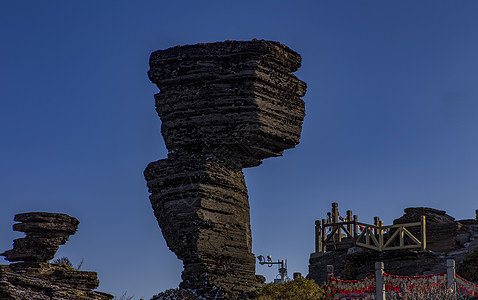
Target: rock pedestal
(32, 277)
(224, 107)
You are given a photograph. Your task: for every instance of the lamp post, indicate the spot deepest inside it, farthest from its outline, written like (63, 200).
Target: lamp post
(282, 264)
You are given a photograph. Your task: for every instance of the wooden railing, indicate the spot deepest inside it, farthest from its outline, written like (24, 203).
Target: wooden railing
(376, 237)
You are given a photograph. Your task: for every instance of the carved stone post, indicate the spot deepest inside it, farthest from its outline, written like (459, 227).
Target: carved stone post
(450, 275)
(379, 282)
(330, 272)
(224, 107)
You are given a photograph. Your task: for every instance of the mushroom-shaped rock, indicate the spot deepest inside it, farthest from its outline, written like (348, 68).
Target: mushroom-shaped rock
(223, 106)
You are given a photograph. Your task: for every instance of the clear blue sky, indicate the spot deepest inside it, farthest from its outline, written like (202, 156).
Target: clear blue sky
(392, 119)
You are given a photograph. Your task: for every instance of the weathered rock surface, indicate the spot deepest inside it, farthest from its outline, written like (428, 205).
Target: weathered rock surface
(223, 106)
(446, 239)
(45, 232)
(442, 229)
(360, 263)
(35, 278)
(236, 101)
(211, 230)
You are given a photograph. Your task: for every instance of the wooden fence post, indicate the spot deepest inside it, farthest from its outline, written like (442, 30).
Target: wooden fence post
(355, 229)
(380, 236)
(349, 219)
(424, 232)
(323, 235)
(375, 222)
(335, 212)
(318, 238)
(450, 275)
(335, 219)
(379, 282)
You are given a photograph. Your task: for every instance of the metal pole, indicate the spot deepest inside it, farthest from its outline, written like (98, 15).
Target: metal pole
(379, 282)
(282, 273)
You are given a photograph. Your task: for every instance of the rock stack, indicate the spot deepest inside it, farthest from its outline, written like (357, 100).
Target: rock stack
(32, 277)
(45, 232)
(223, 106)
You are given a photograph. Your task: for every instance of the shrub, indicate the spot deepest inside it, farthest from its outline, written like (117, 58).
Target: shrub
(65, 261)
(62, 261)
(174, 294)
(299, 289)
(469, 269)
(123, 296)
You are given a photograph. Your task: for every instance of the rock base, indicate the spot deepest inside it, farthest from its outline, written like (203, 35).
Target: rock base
(48, 281)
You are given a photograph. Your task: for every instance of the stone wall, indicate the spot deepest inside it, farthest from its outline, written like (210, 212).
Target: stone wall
(223, 106)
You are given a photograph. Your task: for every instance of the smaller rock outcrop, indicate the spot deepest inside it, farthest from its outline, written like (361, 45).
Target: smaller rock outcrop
(31, 276)
(45, 232)
(442, 229)
(447, 238)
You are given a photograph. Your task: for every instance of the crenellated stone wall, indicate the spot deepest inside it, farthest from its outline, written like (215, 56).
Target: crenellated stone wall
(223, 106)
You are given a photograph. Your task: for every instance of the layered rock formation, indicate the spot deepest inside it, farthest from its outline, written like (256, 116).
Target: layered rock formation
(441, 228)
(45, 232)
(223, 106)
(234, 101)
(446, 239)
(32, 277)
